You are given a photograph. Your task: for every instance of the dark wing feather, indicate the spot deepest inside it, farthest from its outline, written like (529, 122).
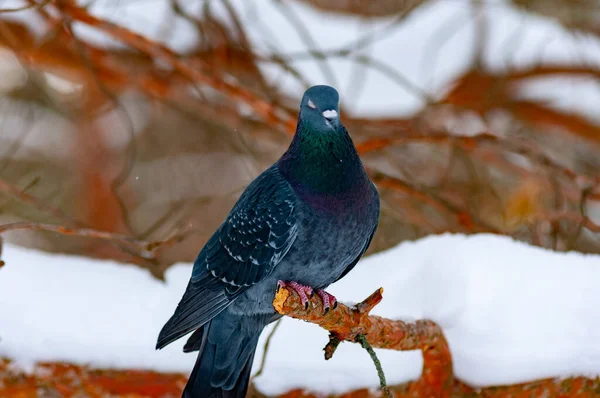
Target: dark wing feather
(256, 235)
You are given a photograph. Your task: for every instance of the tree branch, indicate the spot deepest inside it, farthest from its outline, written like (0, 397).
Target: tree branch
(146, 249)
(279, 118)
(38, 204)
(382, 383)
(26, 7)
(348, 323)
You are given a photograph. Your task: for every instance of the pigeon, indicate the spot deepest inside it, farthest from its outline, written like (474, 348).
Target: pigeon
(303, 223)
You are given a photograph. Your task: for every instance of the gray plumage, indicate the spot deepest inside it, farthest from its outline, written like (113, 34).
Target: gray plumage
(308, 218)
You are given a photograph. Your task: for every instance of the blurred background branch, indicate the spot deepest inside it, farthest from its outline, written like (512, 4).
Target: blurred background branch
(129, 128)
(150, 125)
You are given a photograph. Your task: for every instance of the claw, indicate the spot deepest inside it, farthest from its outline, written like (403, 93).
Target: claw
(329, 301)
(304, 292)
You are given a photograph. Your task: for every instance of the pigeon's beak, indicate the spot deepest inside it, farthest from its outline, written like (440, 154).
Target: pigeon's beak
(331, 117)
(330, 114)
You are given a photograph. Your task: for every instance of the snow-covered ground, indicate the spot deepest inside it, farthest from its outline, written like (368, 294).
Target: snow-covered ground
(511, 313)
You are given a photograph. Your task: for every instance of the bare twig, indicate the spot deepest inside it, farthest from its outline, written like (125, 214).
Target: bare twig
(266, 348)
(462, 217)
(279, 118)
(26, 7)
(147, 249)
(469, 143)
(382, 383)
(128, 164)
(572, 216)
(38, 204)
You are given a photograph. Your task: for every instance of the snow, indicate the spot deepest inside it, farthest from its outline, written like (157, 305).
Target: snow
(511, 312)
(68, 308)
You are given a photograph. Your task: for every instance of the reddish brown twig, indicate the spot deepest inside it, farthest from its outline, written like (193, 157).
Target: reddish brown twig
(38, 204)
(463, 218)
(574, 217)
(483, 92)
(345, 324)
(468, 143)
(29, 6)
(146, 249)
(72, 379)
(275, 116)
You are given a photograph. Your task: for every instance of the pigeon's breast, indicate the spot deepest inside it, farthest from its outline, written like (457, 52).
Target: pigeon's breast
(329, 239)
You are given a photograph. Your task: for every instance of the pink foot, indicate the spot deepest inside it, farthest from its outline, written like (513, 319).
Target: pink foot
(329, 301)
(304, 292)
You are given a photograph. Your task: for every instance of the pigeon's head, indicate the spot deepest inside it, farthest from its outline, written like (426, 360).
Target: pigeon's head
(320, 108)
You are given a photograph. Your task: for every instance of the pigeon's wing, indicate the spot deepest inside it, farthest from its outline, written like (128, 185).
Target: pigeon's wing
(256, 235)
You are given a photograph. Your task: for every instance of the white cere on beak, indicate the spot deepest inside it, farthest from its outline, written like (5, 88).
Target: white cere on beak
(311, 104)
(330, 114)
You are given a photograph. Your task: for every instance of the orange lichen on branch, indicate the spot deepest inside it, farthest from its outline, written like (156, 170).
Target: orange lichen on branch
(68, 380)
(347, 323)
(574, 387)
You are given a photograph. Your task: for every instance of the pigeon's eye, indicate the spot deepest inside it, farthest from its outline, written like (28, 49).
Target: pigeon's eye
(311, 104)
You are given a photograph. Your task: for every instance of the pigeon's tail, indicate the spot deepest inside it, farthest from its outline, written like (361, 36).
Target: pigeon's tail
(224, 362)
